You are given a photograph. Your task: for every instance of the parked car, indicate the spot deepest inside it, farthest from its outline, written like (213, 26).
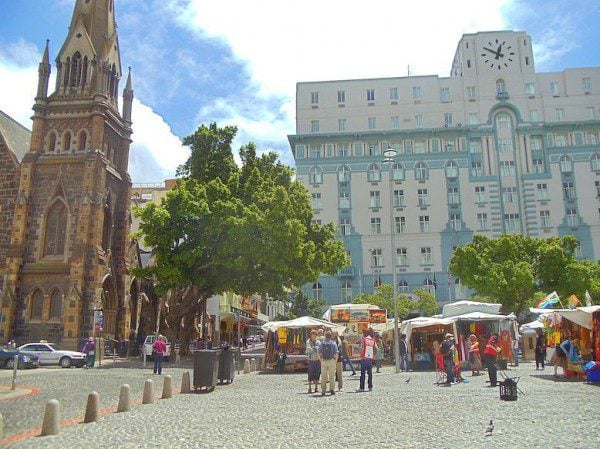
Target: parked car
(49, 354)
(7, 359)
(147, 346)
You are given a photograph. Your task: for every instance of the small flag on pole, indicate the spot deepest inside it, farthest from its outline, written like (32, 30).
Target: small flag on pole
(573, 301)
(588, 299)
(549, 300)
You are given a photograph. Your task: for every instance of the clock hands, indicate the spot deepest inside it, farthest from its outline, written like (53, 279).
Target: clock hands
(497, 53)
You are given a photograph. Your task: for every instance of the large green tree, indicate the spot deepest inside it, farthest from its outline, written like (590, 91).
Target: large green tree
(383, 297)
(243, 229)
(304, 305)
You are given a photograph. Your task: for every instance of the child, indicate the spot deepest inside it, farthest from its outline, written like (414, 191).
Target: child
(457, 373)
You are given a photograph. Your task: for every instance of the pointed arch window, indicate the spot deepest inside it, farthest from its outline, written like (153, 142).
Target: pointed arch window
(66, 146)
(84, 71)
(56, 301)
(67, 72)
(51, 141)
(82, 140)
(107, 226)
(75, 70)
(56, 230)
(37, 305)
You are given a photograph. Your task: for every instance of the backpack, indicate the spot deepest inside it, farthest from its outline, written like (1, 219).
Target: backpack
(327, 350)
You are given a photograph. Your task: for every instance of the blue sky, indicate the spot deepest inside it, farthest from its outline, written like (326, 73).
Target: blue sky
(237, 61)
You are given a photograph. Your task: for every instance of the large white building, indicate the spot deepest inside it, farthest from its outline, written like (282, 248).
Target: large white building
(495, 148)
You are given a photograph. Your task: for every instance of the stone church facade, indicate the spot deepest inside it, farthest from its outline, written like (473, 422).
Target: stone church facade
(65, 250)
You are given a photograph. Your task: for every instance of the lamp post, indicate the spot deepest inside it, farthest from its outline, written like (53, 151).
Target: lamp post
(389, 154)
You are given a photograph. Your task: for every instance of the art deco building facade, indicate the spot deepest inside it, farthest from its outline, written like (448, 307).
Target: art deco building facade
(494, 148)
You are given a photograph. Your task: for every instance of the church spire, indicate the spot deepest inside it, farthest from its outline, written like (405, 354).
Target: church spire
(127, 99)
(44, 70)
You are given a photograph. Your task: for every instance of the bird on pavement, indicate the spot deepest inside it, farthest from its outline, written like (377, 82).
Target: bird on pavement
(407, 380)
(490, 429)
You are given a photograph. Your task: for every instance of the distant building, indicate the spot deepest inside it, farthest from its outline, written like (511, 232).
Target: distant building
(495, 148)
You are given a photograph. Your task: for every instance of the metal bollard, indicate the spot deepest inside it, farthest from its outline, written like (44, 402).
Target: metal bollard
(92, 409)
(124, 399)
(167, 392)
(185, 382)
(51, 424)
(148, 397)
(15, 368)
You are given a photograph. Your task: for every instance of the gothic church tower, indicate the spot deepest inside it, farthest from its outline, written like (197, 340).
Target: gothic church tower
(68, 248)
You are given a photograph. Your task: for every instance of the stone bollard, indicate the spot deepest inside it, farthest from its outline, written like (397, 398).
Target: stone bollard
(1, 426)
(252, 364)
(167, 392)
(246, 366)
(185, 382)
(51, 424)
(92, 409)
(148, 397)
(124, 399)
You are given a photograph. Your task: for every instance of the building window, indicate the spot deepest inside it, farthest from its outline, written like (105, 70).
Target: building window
(500, 86)
(66, 142)
(372, 121)
(346, 291)
(590, 113)
(526, 60)
(470, 91)
(416, 92)
(554, 88)
(507, 168)
(343, 150)
(56, 230)
(426, 258)
(56, 299)
(316, 201)
(509, 194)
(424, 223)
(480, 196)
(572, 217)
(398, 172)
(476, 168)
(503, 121)
(400, 224)
(314, 126)
(591, 138)
(370, 94)
(542, 192)
(395, 122)
(545, 219)
(421, 171)
(535, 143)
(505, 144)
(468, 63)
(357, 148)
(345, 226)
(341, 96)
(408, 146)
(482, 221)
(473, 118)
(451, 169)
(568, 190)
(420, 147)
(399, 198)
(475, 146)
(597, 184)
(537, 166)
(300, 151)
(512, 222)
(51, 141)
(423, 197)
(393, 93)
(453, 195)
(373, 173)
(82, 141)
(315, 151)
(344, 198)
(329, 150)
(402, 286)
(401, 257)
(534, 116)
(374, 199)
(445, 94)
(586, 84)
(342, 124)
(530, 88)
(315, 175)
(317, 290)
(560, 114)
(418, 121)
(595, 162)
(377, 257)
(314, 98)
(448, 118)
(560, 140)
(37, 305)
(344, 174)
(566, 164)
(455, 222)
(435, 145)
(375, 225)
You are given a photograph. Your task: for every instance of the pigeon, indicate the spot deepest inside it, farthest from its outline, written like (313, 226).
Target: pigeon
(407, 380)
(490, 429)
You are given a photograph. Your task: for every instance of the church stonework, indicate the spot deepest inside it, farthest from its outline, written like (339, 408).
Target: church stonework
(66, 236)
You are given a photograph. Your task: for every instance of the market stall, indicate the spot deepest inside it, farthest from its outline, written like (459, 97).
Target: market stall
(583, 325)
(424, 335)
(529, 333)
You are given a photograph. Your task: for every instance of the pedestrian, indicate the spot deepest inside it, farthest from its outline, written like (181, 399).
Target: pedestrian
(12, 344)
(380, 351)
(314, 364)
(403, 353)
(447, 351)
(328, 354)
(338, 362)
(514, 345)
(490, 353)
(540, 349)
(320, 335)
(345, 355)
(561, 353)
(368, 350)
(474, 355)
(159, 348)
(89, 349)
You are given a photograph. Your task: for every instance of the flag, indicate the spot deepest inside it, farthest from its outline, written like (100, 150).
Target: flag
(588, 299)
(573, 301)
(434, 281)
(549, 300)
(379, 281)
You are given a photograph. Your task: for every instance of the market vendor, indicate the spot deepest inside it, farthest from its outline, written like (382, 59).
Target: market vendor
(490, 354)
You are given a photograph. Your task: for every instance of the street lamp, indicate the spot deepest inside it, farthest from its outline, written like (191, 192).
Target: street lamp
(389, 154)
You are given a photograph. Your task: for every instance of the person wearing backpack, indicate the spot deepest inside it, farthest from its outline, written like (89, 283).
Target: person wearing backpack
(368, 350)
(328, 354)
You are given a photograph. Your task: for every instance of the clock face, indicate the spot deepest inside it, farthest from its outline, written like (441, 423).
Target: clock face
(497, 54)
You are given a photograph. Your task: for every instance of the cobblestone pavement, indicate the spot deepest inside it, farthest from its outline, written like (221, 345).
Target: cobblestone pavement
(275, 411)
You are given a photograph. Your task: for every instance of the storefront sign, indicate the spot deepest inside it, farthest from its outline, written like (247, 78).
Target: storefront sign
(241, 312)
(378, 316)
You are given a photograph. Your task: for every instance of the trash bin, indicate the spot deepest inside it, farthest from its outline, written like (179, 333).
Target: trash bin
(206, 369)
(508, 389)
(226, 366)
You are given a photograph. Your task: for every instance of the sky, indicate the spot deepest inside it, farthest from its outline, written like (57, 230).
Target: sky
(237, 62)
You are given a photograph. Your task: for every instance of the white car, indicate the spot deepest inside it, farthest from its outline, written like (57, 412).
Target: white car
(49, 354)
(147, 346)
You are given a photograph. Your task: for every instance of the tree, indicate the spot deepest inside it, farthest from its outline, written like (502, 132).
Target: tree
(304, 305)
(383, 297)
(426, 302)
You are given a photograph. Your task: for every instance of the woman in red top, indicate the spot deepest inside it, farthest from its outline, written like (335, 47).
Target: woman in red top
(474, 357)
(489, 358)
(159, 349)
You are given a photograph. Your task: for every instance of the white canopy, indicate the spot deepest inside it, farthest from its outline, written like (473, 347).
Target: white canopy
(408, 326)
(463, 307)
(304, 321)
(580, 315)
(531, 327)
(348, 306)
(480, 316)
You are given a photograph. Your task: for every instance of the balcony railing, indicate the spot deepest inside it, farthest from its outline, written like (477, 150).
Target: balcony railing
(346, 272)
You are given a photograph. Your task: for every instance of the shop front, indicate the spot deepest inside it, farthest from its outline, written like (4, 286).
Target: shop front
(424, 336)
